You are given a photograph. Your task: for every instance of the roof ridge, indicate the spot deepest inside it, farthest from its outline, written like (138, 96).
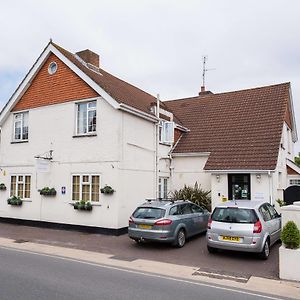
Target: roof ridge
(229, 92)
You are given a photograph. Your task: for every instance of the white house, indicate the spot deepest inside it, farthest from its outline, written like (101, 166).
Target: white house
(74, 127)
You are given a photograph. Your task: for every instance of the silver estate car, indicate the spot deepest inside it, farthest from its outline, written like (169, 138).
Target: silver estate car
(167, 221)
(244, 225)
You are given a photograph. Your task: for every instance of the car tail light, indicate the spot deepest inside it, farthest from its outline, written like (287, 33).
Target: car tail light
(130, 221)
(209, 223)
(163, 222)
(257, 227)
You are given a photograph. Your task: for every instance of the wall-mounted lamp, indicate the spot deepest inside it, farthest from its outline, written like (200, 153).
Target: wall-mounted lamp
(218, 178)
(258, 177)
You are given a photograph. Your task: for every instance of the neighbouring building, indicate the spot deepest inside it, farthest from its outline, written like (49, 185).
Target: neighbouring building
(72, 126)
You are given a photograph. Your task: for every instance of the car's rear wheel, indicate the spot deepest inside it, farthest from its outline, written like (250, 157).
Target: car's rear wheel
(266, 250)
(211, 249)
(180, 238)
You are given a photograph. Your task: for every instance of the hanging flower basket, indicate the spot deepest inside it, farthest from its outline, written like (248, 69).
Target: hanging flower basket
(46, 191)
(83, 205)
(2, 187)
(15, 201)
(108, 190)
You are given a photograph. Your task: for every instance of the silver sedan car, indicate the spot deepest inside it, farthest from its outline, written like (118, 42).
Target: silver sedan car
(167, 221)
(244, 225)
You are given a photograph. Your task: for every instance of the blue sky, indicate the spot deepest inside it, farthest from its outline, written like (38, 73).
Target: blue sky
(158, 45)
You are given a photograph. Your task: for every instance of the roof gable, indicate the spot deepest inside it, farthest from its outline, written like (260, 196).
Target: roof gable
(241, 129)
(47, 89)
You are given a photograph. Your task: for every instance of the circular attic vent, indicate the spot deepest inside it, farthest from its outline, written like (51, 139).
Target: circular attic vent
(52, 68)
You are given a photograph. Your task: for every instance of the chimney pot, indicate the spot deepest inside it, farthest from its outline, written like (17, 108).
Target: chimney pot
(202, 89)
(89, 57)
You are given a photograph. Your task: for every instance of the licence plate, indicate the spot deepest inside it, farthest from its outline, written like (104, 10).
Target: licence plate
(234, 239)
(143, 226)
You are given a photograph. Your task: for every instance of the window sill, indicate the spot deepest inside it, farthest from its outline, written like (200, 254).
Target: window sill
(93, 203)
(84, 135)
(165, 144)
(19, 142)
(26, 200)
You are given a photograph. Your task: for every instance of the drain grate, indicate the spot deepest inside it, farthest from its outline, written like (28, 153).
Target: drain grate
(222, 275)
(20, 241)
(123, 258)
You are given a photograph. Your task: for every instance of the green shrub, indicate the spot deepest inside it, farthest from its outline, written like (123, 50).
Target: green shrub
(290, 235)
(108, 190)
(195, 194)
(14, 200)
(46, 191)
(280, 202)
(83, 205)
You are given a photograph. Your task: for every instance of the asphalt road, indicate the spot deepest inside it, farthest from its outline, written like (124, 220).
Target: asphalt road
(25, 275)
(194, 253)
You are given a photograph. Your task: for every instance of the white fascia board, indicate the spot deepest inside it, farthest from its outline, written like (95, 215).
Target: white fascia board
(137, 112)
(294, 129)
(180, 127)
(238, 171)
(166, 113)
(293, 166)
(191, 154)
(23, 85)
(34, 70)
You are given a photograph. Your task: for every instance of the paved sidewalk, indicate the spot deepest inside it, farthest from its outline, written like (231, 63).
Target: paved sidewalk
(276, 288)
(194, 253)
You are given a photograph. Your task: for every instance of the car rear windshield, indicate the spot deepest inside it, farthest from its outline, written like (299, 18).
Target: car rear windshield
(234, 215)
(149, 213)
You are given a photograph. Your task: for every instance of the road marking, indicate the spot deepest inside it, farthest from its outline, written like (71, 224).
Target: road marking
(143, 273)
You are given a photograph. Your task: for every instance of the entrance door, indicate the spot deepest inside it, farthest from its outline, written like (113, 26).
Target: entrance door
(239, 187)
(291, 194)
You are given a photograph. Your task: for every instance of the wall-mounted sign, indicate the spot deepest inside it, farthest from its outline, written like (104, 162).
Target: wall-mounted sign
(63, 190)
(42, 165)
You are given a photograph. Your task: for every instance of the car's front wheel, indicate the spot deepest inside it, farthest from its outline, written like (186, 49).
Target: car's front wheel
(266, 250)
(180, 238)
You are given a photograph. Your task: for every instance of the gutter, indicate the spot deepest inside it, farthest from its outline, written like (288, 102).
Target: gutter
(137, 112)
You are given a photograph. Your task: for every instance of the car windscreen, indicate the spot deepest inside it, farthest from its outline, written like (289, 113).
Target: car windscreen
(234, 215)
(148, 213)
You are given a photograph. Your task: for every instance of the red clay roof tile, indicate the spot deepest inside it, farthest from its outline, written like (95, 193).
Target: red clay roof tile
(241, 129)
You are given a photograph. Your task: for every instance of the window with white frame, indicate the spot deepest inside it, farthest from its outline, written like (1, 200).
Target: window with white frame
(166, 132)
(85, 187)
(20, 126)
(20, 186)
(163, 187)
(294, 181)
(86, 117)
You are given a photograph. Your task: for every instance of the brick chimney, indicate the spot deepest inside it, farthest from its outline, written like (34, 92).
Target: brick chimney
(89, 57)
(204, 92)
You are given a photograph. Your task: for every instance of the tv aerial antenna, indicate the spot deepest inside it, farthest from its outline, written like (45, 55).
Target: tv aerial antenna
(204, 70)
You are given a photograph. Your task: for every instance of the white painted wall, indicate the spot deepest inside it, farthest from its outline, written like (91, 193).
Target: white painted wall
(122, 153)
(188, 170)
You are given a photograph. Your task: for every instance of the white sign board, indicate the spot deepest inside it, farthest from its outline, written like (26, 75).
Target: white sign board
(259, 196)
(42, 165)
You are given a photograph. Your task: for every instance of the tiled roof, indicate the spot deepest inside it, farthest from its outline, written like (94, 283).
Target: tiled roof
(118, 89)
(241, 129)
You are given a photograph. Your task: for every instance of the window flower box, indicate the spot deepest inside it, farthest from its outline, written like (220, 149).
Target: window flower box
(46, 191)
(83, 205)
(15, 201)
(2, 187)
(108, 190)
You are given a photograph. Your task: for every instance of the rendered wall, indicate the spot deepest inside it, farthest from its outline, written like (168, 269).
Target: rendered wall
(52, 127)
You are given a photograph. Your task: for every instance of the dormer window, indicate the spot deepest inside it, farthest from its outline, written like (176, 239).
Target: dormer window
(166, 132)
(86, 117)
(20, 127)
